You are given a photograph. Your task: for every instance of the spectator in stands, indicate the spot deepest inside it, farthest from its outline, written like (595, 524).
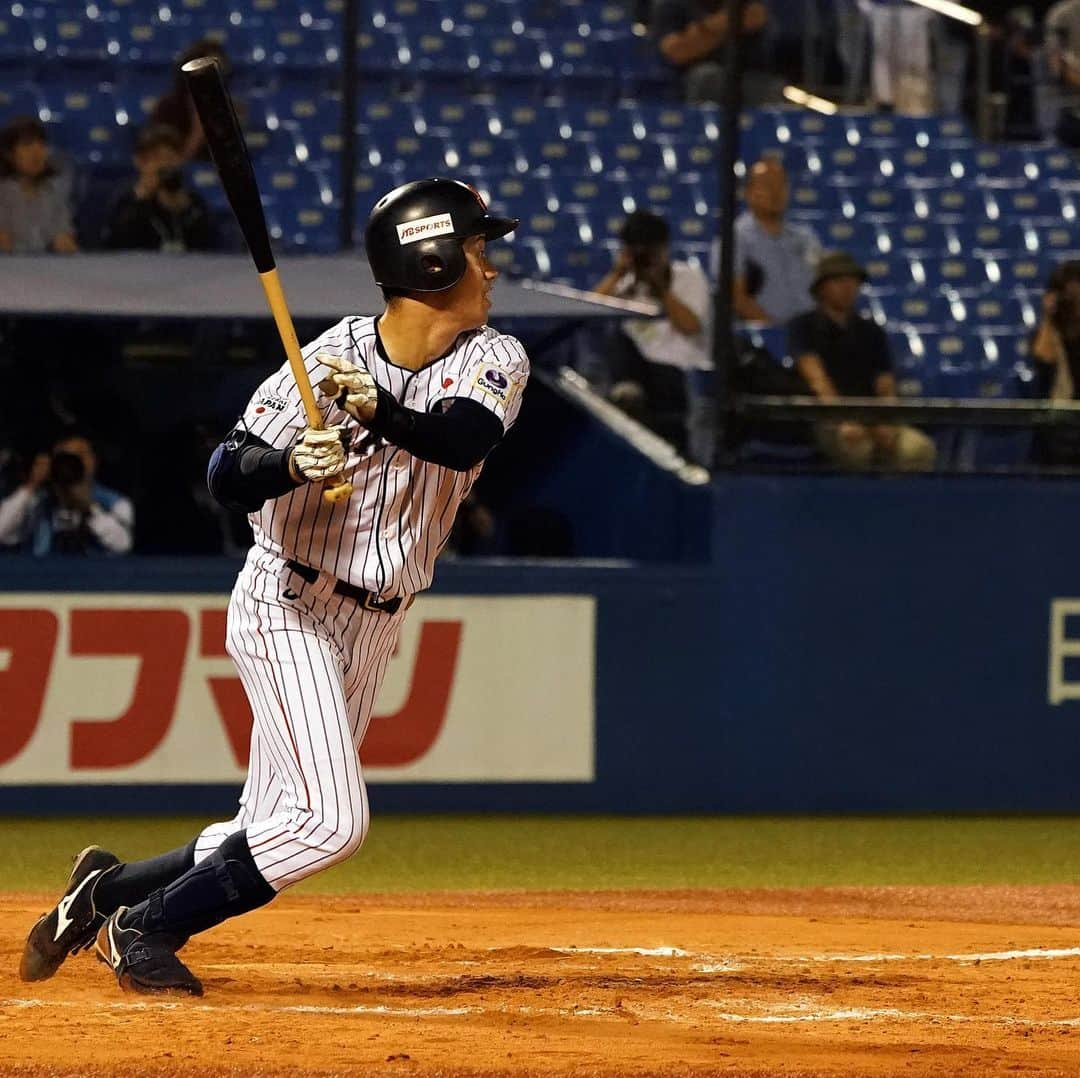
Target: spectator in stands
(60, 508)
(900, 74)
(1056, 350)
(650, 356)
(1062, 48)
(158, 213)
(842, 354)
(177, 110)
(692, 36)
(774, 260)
(35, 198)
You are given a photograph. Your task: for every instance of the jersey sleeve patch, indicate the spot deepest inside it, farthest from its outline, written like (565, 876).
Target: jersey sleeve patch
(496, 382)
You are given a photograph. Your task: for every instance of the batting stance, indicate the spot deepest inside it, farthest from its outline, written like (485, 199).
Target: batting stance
(412, 402)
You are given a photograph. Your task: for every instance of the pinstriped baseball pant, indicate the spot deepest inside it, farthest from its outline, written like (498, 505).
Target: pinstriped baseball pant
(311, 667)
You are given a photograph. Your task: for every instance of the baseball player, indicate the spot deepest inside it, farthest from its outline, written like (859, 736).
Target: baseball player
(413, 401)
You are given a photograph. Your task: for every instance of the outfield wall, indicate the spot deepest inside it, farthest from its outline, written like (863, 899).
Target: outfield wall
(903, 645)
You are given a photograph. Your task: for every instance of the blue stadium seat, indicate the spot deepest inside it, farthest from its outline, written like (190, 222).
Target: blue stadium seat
(378, 53)
(70, 36)
(946, 204)
(19, 43)
(693, 123)
(480, 153)
(924, 309)
(1060, 237)
(1057, 164)
(773, 339)
(134, 98)
(435, 53)
(861, 237)
(878, 202)
(913, 235)
(579, 58)
(311, 117)
(852, 162)
(608, 123)
(306, 227)
(915, 376)
(289, 43)
(563, 156)
(1035, 204)
(645, 156)
(1004, 165)
(18, 99)
(415, 155)
(513, 57)
(458, 114)
(578, 265)
(83, 122)
(204, 178)
(889, 273)
(1023, 273)
(144, 41)
(564, 16)
(386, 116)
(519, 192)
(1015, 312)
(370, 185)
(964, 274)
(950, 351)
(926, 165)
(1001, 235)
(812, 201)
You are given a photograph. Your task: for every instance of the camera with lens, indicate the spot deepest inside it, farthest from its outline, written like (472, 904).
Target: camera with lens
(171, 180)
(68, 470)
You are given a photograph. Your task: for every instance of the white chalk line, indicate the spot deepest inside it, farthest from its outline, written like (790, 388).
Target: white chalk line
(711, 963)
(777, 1016)
(274, 1008)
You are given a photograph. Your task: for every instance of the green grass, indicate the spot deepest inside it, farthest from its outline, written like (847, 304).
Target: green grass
(408, 853)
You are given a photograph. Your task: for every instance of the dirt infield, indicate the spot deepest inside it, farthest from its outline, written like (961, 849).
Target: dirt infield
(928, 981)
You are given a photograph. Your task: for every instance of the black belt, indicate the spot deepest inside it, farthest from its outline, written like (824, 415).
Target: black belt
(367, 599)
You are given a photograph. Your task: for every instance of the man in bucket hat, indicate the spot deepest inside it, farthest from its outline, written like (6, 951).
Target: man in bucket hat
(842, 354)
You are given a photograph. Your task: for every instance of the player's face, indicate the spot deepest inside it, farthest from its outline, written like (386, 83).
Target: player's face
(472, 294)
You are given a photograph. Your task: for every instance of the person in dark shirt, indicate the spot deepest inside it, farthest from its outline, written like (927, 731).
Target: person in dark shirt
(176, 108)
(158, 213)
(692, 36)
(842, 354)
(1055, 347)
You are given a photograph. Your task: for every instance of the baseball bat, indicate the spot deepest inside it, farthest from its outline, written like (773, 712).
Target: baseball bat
(229, 151)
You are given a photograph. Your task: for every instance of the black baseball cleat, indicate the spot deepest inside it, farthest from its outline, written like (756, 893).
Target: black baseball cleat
(72, 923)
(142, 962)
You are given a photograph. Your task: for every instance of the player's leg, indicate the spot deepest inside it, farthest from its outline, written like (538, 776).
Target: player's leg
(294, 677)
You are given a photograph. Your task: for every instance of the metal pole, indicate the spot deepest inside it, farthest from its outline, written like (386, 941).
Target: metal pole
(982, 81)
(723, 313)
(350, 22)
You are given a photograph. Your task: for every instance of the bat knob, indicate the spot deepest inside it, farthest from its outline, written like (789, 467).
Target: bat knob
(339, 492)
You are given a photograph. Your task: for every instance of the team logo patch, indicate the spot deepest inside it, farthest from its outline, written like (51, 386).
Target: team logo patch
(441, 224)
(495, 383)
(276, 404)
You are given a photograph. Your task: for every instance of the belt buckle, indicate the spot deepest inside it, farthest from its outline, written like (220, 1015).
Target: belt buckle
(372, 602)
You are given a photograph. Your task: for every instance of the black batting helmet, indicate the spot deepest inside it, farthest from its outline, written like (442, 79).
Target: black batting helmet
(414, 234)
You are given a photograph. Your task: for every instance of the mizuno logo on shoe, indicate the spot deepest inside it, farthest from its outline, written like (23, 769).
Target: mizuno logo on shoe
(63, 921)
(114, 947)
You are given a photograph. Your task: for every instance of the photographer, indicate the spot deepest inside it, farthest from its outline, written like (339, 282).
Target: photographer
(1055, 348)
(649, 357)
(159, 213)
(60, 509)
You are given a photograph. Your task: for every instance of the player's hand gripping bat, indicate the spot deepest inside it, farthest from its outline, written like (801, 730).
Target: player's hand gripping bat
(229, 151)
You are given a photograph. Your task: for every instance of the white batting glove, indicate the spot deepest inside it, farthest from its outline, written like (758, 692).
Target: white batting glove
(318, 455)
(352, 388)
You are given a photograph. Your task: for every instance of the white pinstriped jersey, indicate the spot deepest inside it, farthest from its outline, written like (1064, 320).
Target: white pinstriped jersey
(387, 536)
